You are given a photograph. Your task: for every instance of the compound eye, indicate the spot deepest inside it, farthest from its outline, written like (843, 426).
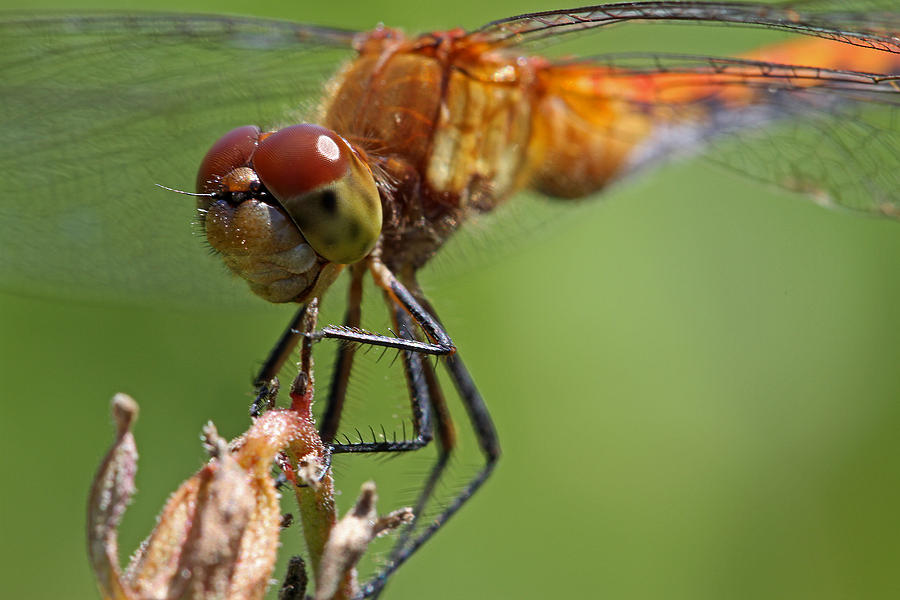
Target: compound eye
(325, 187)
(232, 151)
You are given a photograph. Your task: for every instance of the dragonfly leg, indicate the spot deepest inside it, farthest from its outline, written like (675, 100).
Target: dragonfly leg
(277, 357)
(405, 308)
(475, 406)
(446, 443)
(407, 342)
(489, 443)
(359, 336)
(419, 400)
(422, 315)
(439, 342)
(409, 308)
(350, 332)
(334, 406)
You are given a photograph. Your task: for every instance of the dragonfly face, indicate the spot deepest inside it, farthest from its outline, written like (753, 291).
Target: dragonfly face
(287, 209)
(645, 230)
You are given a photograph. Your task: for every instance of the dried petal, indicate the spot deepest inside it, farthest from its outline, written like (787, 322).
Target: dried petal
(350, 538)
(111, 491)
(268, 436)
(195, 548)
(217, 536)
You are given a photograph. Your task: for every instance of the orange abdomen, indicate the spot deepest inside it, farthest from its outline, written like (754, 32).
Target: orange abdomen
(593, 124)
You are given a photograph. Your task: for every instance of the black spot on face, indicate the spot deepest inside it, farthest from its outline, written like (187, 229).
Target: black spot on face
(328, 201)
(354, 230)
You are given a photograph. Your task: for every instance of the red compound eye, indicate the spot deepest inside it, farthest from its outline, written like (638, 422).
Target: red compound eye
(298, 159)
(231, 151)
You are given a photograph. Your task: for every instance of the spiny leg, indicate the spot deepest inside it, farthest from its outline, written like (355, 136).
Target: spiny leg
(402, 304)
(446, 443)
(409, 307)
(334, 406)
(491, 449)
(351, 333)
(477, 409)
(446, 432)
(440, 343)
(489, 443)
(419, 400)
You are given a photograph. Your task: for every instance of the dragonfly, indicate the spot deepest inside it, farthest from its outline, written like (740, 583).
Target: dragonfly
(429, 131)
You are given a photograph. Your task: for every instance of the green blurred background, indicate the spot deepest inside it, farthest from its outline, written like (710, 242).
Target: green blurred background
(695, 381)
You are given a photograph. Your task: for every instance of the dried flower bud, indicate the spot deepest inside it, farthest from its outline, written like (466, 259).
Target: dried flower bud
(218, 533)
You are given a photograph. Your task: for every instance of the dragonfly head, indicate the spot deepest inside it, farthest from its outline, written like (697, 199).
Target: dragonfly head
(288, 209)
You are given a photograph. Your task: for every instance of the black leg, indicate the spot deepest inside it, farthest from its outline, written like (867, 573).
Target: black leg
(403, 305)
(334, 406)
(408, 310)
(413, 349)
(490, 446)
(360, 336)
(419, 399)
(476, 408)
(280, 353)
(446, 443)
(440, 344)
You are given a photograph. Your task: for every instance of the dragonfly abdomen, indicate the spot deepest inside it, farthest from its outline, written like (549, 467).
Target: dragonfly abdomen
(580, 143)
(596, 122)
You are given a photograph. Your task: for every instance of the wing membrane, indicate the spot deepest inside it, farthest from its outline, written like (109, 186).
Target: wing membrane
(846, 25)
(833, 134)
(100, 108)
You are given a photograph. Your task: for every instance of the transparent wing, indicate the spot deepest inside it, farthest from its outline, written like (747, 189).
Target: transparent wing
(832, 134)
(98, 109)
(867, 23)
(816, 116)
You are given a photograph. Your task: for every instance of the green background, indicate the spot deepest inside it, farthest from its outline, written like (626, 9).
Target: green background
(695, 382)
